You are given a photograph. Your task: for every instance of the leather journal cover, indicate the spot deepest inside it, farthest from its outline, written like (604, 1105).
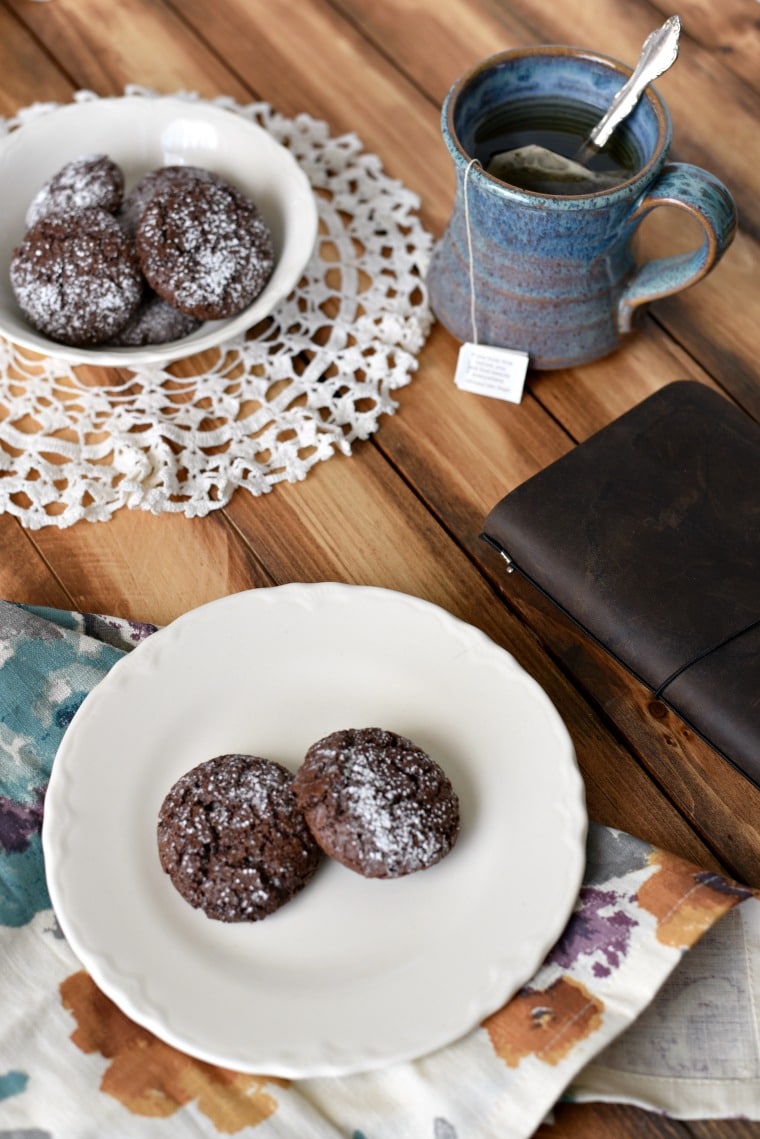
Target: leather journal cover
(648, 536)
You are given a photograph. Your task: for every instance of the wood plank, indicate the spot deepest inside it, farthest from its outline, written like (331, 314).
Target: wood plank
(456, 36)
(105, 47)
(147, 567)
(442, 436)
(611, 1121)
(713, 323)
(716, 1129)
(728, 30)
(29, 74)
(24, 574)
(584, 399)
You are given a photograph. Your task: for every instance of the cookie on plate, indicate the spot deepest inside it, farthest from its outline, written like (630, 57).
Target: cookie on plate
(377, 803)
(205, 248)
(76, 276)
(92, 180)
(233, 840)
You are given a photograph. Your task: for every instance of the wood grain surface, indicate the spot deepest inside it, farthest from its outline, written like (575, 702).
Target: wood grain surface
(405, 510)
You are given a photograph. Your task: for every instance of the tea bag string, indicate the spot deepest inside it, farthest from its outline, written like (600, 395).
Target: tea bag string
(473, 321)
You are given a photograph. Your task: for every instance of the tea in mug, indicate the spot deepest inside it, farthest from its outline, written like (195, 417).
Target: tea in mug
(539, 146)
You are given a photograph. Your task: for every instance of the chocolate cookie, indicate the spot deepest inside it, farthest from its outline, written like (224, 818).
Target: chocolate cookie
(76, 276)
(232, 839)
(155, 322)
(377, 803)
(155, 182)
(204, 247)
(92, 180)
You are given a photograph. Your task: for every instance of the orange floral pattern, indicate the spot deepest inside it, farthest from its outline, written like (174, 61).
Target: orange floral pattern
(684, 900)
(151, 1078)
(547, 1022)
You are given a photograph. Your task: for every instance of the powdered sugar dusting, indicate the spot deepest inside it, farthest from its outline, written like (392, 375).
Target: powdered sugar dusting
(155, 181)
(394, 821)
(75, 276)
(92, 180)
(377, 802)
(204, 248)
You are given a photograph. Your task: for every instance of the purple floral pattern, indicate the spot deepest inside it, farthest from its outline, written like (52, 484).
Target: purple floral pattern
(600, 927)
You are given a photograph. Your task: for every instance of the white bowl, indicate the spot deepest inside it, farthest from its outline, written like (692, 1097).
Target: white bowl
(141, 134)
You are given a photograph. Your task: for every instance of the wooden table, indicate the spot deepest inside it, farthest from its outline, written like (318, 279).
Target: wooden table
(405, 511)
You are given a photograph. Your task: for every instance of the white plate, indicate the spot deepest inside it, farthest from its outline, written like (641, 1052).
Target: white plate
(352, 973)
(141, 134)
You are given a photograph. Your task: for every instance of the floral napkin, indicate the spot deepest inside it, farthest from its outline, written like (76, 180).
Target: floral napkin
(648, 998)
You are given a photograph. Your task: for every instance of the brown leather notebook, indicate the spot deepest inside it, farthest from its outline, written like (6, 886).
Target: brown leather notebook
(648, 536)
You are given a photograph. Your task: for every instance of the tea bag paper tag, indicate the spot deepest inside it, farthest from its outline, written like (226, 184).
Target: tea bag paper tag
(496, 372)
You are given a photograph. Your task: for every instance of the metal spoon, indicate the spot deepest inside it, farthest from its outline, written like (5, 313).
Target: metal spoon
(659, 52)
(539, 168)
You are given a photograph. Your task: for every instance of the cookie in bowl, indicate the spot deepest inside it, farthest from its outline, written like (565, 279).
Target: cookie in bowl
(155, 322)
(90, 180)
(155, 182)
(76, 276)
(204, 247)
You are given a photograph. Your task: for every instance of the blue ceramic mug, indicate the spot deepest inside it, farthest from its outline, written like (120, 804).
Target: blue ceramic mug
(555, 275)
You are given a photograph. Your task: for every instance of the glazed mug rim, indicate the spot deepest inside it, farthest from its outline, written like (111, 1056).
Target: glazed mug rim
(643, 174)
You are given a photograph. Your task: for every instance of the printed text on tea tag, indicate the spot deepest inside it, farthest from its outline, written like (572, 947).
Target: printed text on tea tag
(496, 372)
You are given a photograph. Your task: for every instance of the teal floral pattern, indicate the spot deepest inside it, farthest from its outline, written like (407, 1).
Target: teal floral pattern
(49, 661)
(12, 1083)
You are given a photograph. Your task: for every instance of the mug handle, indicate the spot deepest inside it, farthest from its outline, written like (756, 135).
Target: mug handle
(703, 196)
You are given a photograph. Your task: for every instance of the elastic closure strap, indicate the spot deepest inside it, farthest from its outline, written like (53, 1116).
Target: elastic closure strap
(705, 653)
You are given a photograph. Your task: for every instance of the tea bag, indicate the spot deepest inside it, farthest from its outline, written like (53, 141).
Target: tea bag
(536, 168)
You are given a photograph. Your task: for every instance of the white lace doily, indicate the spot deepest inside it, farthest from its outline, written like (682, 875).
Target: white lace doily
(315, 376)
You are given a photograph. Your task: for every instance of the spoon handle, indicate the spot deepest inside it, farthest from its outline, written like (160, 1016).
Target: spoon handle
(657, 55)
